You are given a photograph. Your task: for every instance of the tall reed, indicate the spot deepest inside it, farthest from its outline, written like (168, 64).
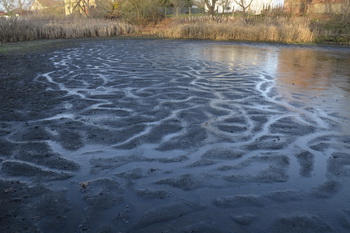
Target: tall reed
(287, 30)
(23, 29)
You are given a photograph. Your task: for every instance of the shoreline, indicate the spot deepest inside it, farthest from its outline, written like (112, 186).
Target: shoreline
(49, 45)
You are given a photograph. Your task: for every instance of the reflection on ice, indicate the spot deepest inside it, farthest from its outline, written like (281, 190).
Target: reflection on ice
(318, 78)
(308, 75)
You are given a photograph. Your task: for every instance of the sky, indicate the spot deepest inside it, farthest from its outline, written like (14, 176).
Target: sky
(257, 5)
(278, 1)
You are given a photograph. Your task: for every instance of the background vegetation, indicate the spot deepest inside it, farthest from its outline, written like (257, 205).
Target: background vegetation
(173, 19)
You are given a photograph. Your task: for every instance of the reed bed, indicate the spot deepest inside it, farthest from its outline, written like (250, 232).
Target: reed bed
(24, 29)
(239, 28)
(286, 30)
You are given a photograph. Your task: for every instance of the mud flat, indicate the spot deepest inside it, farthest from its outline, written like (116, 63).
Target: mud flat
(148, 135)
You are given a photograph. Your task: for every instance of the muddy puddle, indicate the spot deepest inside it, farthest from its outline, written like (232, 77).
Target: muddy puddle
(147, 135)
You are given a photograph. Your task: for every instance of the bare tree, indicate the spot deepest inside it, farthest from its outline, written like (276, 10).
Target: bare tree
(346, 11)
(8, 5)
(141, 11)
(244, 4)
(224, 5)
(178, 4)
(211, 5)
(108, 8)
(21, 4)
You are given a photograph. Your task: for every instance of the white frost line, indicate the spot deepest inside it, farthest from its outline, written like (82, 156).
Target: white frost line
(41, 167)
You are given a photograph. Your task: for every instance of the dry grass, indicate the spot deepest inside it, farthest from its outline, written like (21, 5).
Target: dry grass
(24, 29)
(286, 30)
(265, 29)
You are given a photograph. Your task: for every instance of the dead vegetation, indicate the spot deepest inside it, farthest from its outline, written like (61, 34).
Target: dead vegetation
(297, 29)
(15, 29)
(286, 30)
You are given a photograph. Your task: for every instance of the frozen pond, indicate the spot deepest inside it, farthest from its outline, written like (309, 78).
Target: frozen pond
(184, 136)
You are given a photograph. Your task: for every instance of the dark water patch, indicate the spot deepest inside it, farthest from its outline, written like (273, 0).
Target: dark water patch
(168, 213)
(232, 128)
(41, 154)
(327, 189)
(284, 196)
(207, 227)
(175, 159)
(185, 182)
(306, 162)
(269, 143)
(71, 140)
(102, 193)
(7, 148)
(153, 193)
(291, 127)
(137, 173)
(223, 154)
(339, 164)
(268, 175)
(22, 204)
(239, 201)
(344, 219)
(201, 163)
(225, 168)
(236, 120)
(301, 223)
(244, 220)
(35, 133)
(51, 209)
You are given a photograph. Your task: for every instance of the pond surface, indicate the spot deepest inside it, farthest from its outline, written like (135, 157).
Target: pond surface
(189, 136)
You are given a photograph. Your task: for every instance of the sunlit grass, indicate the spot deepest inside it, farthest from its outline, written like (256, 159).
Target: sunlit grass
(287, 30)
(24, 29)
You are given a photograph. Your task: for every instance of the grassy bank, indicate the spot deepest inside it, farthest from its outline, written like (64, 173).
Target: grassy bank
(285, 30)
(25, 29)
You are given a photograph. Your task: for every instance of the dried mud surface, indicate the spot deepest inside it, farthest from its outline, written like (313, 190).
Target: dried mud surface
(147, 135)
